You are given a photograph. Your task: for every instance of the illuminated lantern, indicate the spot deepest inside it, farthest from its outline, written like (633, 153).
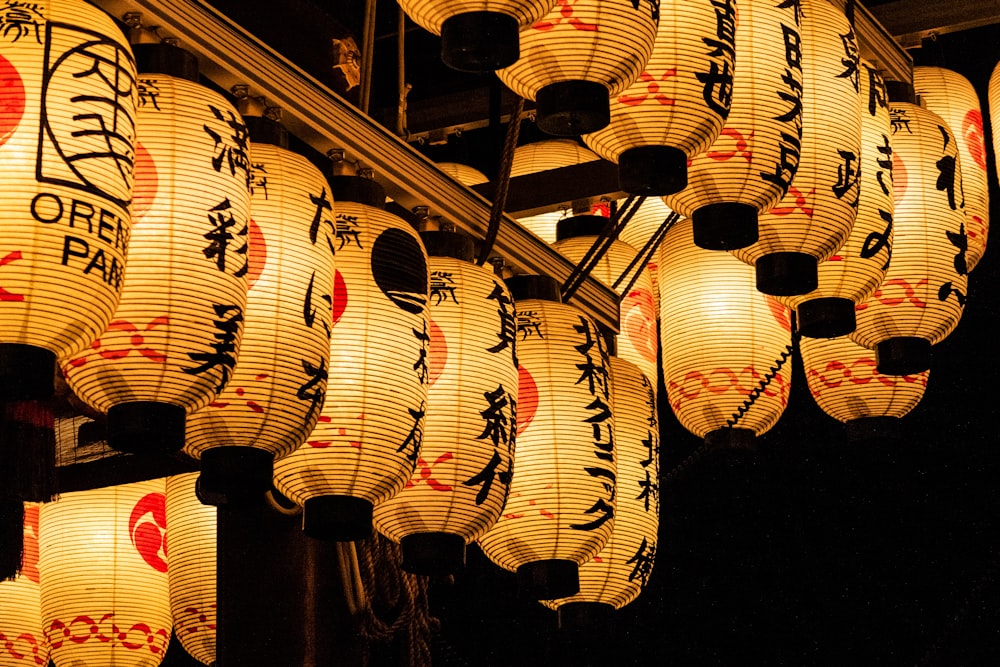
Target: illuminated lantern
(638, 339)
(463, 173)
(853, 273)
(815, 217)
(277, 389)
(638, 232)
(464, 470)
(173, 342)
(22, 640)
(719, 339)
(577, 56)
(952, 96)
(103, 571)
(561, 507)
(924, 292)
(67, 145)
(192, 568)
(367, 442)
(622, 569)
(477, 35)
(751, 164)
(993, 100)
(677, 106)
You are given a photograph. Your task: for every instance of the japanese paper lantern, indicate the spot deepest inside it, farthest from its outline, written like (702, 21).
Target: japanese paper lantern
(640, 229)
(719, 340)
(853, 273)
(67, 151)
(993, 102)
(814, 218)
(561, 506)
(619, 573)
(577, 56)
(464, 469)
(924, 292)
(192, 543)
(103, 570)
(953, 97)
(367, 442)
(477, 35)
(173, 342)
(278, 386)
(463, 173)
(22, 639)
(677, 106)
(748, 169)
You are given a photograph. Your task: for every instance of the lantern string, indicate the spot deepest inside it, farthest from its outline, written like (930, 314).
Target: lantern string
(503, 181)
(644, 256)
(600, 246)
(772, 373)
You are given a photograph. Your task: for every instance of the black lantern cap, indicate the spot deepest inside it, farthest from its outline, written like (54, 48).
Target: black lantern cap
(533, 286)
(27, 372)
(358, 190)
(456, 245)
(731, 439)
(826, 317)
(337, 518)
(787, 273)
(652, 171)
(164, 58)
(903, 355)
(581, 225)
(724, 226)
(873, 430)
(480, 41)
(433, 553)
(572, 108)
(900, 91)
(548, 579)
(263, 130)
(146, 427)
(234, 475)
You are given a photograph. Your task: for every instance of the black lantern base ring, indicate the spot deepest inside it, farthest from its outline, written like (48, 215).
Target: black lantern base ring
(576, 226)
(652, 171)
(787, 273)
(586, 616)
(534, 286)
(164, 58)
(337, 518)
(827, 317)
(27, 372)
(146, 427)
(548, 579)
(572, 108)
(873, 430)
(433, 553)
(903, 355)
(724, 226)
(234, 475)
(479, 41)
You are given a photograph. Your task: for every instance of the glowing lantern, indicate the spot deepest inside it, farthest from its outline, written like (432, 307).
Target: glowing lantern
(751, 164)
(623, 567)
(22, 640)
(192, 568)
(464, 469)
(952, 96)
(562, 499)
(172, 344)
(638, 232)
(677, 106)
(719, 339)
(277, 389)
(367, 442)
(103, 567)
(815, 217)
(67, 144)
(463, 173)
(577, 56)
(993, 100)
(921, 300)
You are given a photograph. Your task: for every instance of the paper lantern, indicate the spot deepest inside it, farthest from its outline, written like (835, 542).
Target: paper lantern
(852, 274)
(814, 218)
(103, 571)
(953, 97)
(924, 292)
(677, 106)
(577, 56)
(463, 173)
(477, 35)
(22, 640)
(640, 229)
(67, 151)
(278, 387)
(464, 470)
(619, 573)
(719, 341)
(562, 499)
(192, 568)
(993, 101)
(173, 342)
(749, 167)
(367, 442)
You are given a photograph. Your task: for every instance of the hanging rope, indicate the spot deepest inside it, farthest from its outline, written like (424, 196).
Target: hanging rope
(503, 181)
(643, 257)
(600, 246)
(772, 373)
(367, 57)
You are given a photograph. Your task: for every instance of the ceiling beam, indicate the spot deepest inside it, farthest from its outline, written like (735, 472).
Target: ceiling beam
(910, 21)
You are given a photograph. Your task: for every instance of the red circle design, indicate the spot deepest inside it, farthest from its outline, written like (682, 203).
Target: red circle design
(972, 130)
(148, 537)
(258, 254)
(12, 99)
(438, 353)
(527, 399)
(145, 183)
(339, 304)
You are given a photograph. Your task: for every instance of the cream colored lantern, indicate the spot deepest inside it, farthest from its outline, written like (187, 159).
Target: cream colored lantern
(463, 173)
(993, 102)
(640, 229)
(22, 636)
(67, 154)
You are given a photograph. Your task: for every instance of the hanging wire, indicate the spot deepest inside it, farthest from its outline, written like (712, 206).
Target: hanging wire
(600, 246)
(503, 181)
(643, 257)
(772, 373)
(402, 88)
(367, 57)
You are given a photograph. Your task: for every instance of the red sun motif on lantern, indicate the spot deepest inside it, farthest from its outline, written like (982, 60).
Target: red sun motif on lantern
(438, 353)
(972, 130)
(780, 313)
(527, 399)
(29, 562)
(147, 526)
(640, 323)
(339, 304)
(145, 184)
(899, 178)
(258, 254)
(11, 99)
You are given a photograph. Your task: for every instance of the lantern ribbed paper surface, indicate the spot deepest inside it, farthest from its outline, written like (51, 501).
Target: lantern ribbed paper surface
(622, 569)
(367, 442)
(103, 567)
(719, 338)
(993, 102)
(952, 96)
(22, 639)
(464, 470)
(921, 299)
(643, 225)
(677, 106)
(751, 164)
(463, 173)
(815, 217)
(67, 146)
(561, 506)
(192, 568)
(173, 342)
